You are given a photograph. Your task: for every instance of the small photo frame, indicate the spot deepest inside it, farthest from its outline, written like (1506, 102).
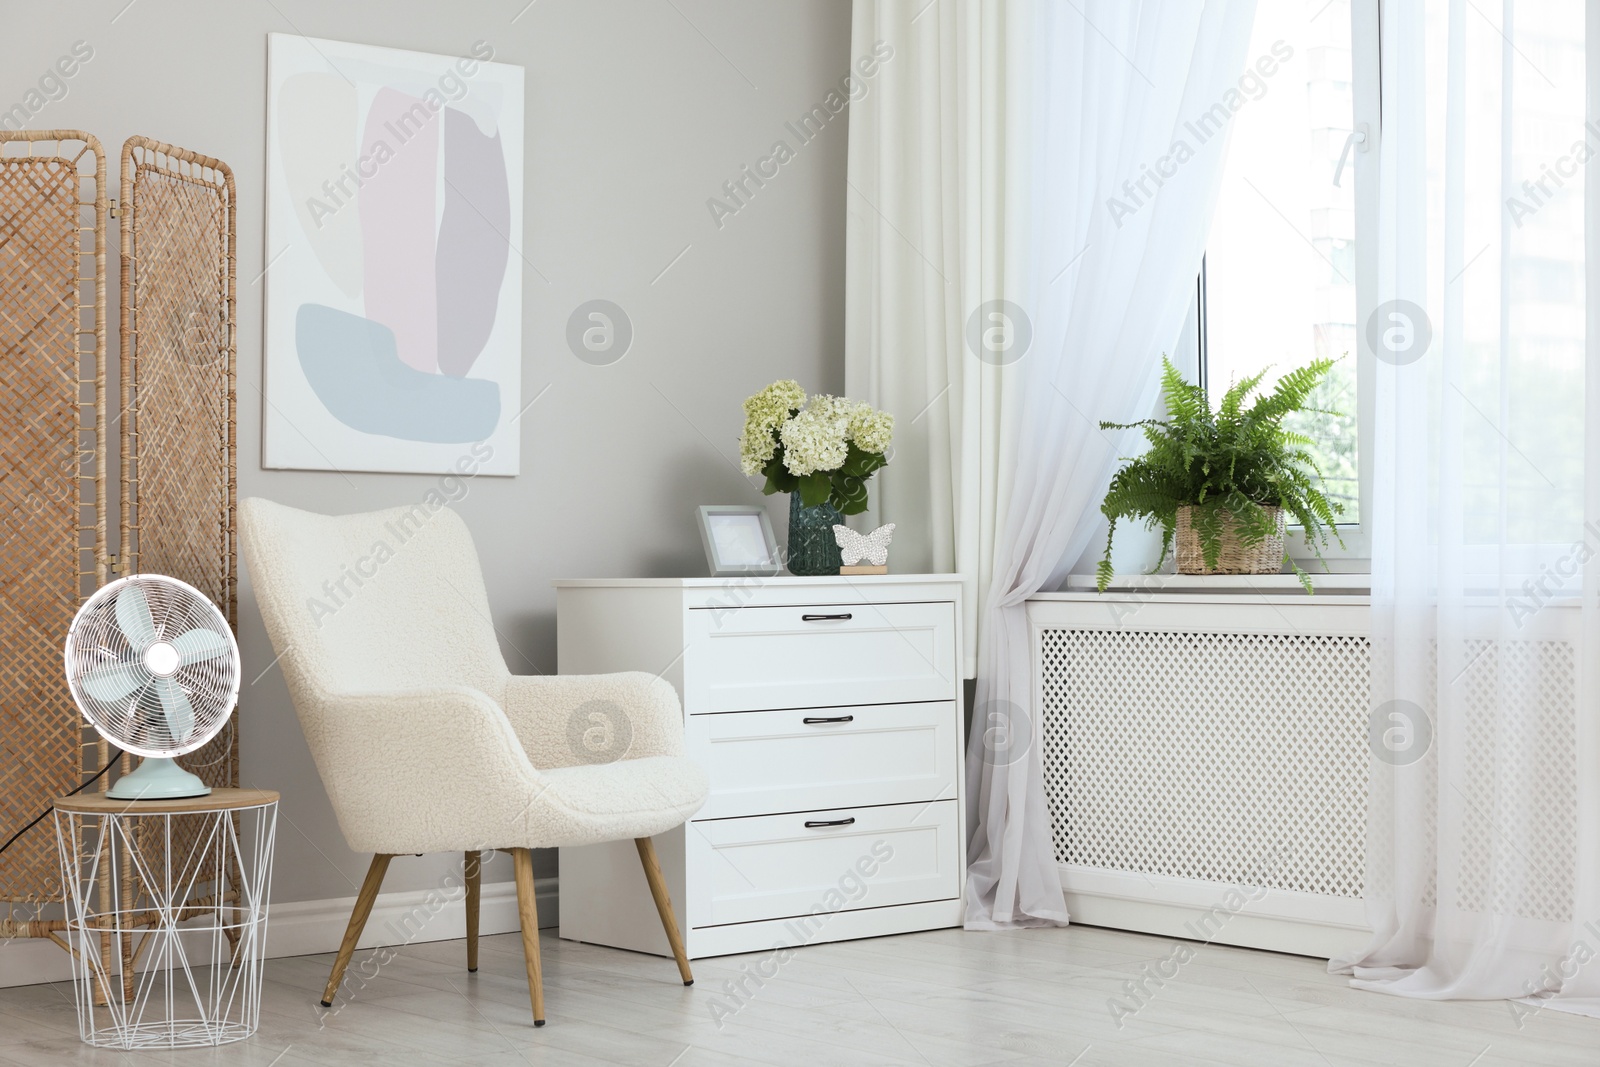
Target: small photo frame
(738, 540)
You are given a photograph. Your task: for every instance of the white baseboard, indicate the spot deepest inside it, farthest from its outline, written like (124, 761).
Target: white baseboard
(1277, 920)
(306, 927)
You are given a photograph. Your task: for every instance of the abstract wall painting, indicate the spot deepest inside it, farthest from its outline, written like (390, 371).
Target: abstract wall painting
(394, 288)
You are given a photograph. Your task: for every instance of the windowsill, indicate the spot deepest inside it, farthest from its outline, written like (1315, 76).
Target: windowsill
(1346, 584)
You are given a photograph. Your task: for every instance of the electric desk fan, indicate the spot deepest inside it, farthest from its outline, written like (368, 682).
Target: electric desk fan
(153, 666)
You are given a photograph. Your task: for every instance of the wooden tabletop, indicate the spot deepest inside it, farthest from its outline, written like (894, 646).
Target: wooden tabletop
(216, 800)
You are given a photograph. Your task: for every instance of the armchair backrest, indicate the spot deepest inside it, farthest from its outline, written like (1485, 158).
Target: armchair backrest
(377, 601)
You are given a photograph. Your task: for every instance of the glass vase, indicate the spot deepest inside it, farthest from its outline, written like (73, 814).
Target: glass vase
(813, 549)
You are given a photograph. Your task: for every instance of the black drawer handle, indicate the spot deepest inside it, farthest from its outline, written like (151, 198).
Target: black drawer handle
(812, 720)
(827, 618)
(812, 824)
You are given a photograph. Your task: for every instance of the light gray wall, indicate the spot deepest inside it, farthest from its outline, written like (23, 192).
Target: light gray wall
(637, 112)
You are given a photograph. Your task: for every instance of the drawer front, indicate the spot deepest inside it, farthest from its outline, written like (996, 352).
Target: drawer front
(778, 867)
(765, 762)
(755, 659)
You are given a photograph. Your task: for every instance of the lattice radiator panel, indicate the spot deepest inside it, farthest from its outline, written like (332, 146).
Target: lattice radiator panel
(1518, 753)
(1234, 758)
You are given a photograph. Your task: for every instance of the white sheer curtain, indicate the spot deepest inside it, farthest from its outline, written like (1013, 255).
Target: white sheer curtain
(935, 166)
(1484, 835)
(999, 176)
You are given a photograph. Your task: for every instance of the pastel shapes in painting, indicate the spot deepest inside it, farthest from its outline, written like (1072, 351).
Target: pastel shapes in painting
(397, 223)
(353, 366)
(473, 246)
(316, 149)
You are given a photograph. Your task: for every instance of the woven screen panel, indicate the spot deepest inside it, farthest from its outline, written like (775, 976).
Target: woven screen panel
(1230, 758)
(178, 350)
(178, 459)
(51, 541)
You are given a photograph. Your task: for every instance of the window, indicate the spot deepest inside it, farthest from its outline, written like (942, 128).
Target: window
(1279, 282)
(1289, 272)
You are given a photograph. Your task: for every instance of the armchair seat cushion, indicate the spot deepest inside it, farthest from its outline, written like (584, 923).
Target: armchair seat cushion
(609, 801)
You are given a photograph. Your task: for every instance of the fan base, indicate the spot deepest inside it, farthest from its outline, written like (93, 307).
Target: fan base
(158, 778)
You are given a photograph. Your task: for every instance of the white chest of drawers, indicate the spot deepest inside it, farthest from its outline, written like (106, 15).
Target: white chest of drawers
(827, 713)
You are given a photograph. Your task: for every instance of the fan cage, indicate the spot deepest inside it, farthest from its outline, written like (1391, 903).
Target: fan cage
(138, 722)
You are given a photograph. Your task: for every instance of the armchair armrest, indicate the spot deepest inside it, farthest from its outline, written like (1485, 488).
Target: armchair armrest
(570, 720)
(416, 770)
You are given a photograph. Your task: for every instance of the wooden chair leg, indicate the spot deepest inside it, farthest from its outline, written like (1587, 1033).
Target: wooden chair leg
(358, 920)
(528, 913)
(474, 870)
(658, 890)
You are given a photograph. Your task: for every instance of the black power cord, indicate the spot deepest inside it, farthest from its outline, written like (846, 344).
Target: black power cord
(40, 818)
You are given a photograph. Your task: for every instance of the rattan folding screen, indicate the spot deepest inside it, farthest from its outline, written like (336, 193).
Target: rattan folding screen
(175, 431)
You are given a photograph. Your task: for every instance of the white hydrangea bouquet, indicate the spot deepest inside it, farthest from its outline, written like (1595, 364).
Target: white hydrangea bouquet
(822, 447)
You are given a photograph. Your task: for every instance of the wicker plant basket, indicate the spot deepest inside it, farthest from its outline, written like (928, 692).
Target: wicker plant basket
(1235, 557)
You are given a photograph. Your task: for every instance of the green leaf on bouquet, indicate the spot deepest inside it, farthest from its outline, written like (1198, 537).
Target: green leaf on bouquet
(859, 464)
(815, 489)
(779, 480)
(849, 493)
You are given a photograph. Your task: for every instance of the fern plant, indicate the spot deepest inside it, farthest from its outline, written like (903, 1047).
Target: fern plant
(1229, 465)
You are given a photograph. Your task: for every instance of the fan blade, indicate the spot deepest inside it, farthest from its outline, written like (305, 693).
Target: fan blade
(180, 714)
(113, 682)
(198, 645)
(133, 615)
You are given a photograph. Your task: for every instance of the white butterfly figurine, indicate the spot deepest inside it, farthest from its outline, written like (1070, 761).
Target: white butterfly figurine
(874, 546)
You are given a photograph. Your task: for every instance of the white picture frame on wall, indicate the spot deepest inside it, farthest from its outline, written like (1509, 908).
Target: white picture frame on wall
(393, 322)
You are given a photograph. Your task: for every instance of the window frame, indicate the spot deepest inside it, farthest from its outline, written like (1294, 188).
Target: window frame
(1355, 556)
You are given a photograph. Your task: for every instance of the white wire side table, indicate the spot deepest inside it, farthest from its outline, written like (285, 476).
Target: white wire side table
(166, 910)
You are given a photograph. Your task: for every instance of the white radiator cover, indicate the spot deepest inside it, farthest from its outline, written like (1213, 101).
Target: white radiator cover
(1205, 761)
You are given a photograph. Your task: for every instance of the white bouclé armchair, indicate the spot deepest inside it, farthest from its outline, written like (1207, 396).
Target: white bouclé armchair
(425, 741)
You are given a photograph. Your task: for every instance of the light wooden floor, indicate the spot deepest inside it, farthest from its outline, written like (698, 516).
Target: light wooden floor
(943, 999)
